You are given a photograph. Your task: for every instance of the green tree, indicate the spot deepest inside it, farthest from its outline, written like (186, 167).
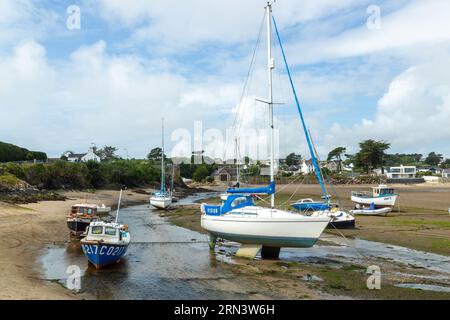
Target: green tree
(433, 159)
(200, 173)
(337, 154)
(108, 153)
(293, 159)
(371, 154)
(155, 154)
(445, 164)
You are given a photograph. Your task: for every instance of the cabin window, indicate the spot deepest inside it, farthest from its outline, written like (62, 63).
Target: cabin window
(97, 230)
(89, 211)
(110, 231)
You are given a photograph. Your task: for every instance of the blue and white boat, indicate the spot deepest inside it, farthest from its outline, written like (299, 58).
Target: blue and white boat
(310, 205)
(163, 198)
(240, 219)
(106, 242)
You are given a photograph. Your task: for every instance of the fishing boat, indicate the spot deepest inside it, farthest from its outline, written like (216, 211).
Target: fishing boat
(162, 199)
(80, 216)
(381, 196)
(106, 242)
(240, 219)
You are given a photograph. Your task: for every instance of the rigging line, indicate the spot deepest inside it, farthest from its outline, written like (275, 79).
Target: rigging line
(248, 76)
(299, 109)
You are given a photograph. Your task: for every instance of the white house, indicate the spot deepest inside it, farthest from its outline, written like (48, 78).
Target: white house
(306, 166)
(82, 157)
(402, 172)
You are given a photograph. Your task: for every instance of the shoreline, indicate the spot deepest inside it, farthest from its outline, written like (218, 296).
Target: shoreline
(28, 228)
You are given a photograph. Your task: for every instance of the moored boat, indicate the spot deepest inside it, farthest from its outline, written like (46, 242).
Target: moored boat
(310, 205)
(80, 216)
(381, 196)
(162, 199)
(239, 219)
(372, 211)
(106, 242)
(103, 209)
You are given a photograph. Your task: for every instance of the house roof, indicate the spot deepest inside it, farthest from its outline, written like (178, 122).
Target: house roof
(226, 170)
(76, 155)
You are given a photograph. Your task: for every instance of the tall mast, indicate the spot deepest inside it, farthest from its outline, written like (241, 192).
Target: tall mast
(163, 175)
(118, 205)
(270, 67)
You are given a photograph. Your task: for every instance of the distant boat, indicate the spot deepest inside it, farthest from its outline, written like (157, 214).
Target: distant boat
(239, 219)
(381, 196)
(106, 242)
(103, 209)
(162, 199)
(80, 216)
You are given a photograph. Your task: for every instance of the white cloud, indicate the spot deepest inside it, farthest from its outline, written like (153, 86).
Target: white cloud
(413, 114)
(99, 97)
(174, 24)
(418, 24)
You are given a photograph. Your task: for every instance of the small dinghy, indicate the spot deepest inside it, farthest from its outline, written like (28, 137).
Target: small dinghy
(371, 211)
(103, 209)
(106, 242)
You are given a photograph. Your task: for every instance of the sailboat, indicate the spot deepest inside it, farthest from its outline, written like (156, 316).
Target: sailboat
(106, 242)
(239, 219)
(162, 199)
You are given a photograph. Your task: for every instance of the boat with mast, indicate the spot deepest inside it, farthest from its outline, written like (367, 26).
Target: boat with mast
(162, 199)
(240, 219)
(106, 242)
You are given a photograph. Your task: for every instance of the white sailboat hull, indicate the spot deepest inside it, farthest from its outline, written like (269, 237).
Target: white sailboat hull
(259, 225)
(387, 201)
(161, 202)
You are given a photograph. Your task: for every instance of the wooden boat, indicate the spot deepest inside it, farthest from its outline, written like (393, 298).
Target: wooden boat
(106, 242)
(381, 196)
(80, 216)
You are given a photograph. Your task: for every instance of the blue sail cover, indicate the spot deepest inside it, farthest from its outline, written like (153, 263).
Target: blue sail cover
(270, 189)
(233, 202)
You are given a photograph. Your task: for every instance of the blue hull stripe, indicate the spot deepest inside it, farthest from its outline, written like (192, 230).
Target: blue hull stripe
(103, 254)
(269, 241)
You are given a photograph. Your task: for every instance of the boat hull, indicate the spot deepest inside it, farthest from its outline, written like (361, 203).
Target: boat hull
(386, 201)
(103, 254)
(342, 224)
(78, 226)
(295, 231)
(374, 212)
(161, 203)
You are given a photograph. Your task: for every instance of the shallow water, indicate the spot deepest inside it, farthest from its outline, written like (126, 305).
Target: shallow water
(163, 262)
(168, 262)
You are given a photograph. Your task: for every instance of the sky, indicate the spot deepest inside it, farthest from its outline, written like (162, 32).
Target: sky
(110, 79)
